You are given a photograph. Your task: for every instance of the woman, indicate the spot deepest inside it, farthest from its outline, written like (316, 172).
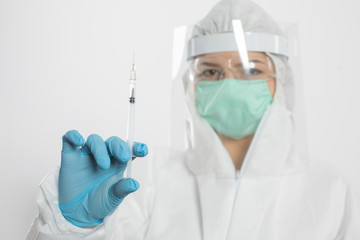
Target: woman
(243, 175)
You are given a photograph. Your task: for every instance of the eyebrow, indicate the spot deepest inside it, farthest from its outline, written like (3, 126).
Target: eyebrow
(210, 64)
(254, 61)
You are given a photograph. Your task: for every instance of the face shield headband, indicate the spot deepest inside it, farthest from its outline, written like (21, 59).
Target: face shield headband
(237, 41)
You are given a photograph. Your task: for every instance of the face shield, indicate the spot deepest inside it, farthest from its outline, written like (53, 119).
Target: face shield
(234, 68)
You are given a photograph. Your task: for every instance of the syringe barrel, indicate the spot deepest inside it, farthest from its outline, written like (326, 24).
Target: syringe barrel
(130, 135)
(130, 123)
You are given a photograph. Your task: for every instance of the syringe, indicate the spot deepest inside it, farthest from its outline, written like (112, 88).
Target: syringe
(131, 117)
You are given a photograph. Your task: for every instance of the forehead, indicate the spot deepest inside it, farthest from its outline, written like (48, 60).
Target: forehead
(232, 55)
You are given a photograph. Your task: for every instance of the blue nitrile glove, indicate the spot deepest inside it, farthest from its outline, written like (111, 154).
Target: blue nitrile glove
(91, 183)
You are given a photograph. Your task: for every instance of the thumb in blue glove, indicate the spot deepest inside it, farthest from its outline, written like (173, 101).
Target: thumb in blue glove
(91, 183)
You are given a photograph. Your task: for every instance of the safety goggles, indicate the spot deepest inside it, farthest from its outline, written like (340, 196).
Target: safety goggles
(218, 66)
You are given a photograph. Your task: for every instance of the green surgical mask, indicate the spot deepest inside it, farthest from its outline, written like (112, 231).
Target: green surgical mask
(233, 107)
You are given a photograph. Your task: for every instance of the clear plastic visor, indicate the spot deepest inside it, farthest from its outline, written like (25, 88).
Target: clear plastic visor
(230, 78)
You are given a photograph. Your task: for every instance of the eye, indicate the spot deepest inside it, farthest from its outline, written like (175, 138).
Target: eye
(210, 72)
(254, 71)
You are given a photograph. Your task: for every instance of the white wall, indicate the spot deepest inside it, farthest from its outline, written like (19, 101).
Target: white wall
(65, 64)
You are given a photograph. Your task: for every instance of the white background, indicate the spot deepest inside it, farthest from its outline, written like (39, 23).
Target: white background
(65, 64)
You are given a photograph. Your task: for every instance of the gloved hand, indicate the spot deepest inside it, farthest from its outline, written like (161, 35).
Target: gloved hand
(91, 183)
